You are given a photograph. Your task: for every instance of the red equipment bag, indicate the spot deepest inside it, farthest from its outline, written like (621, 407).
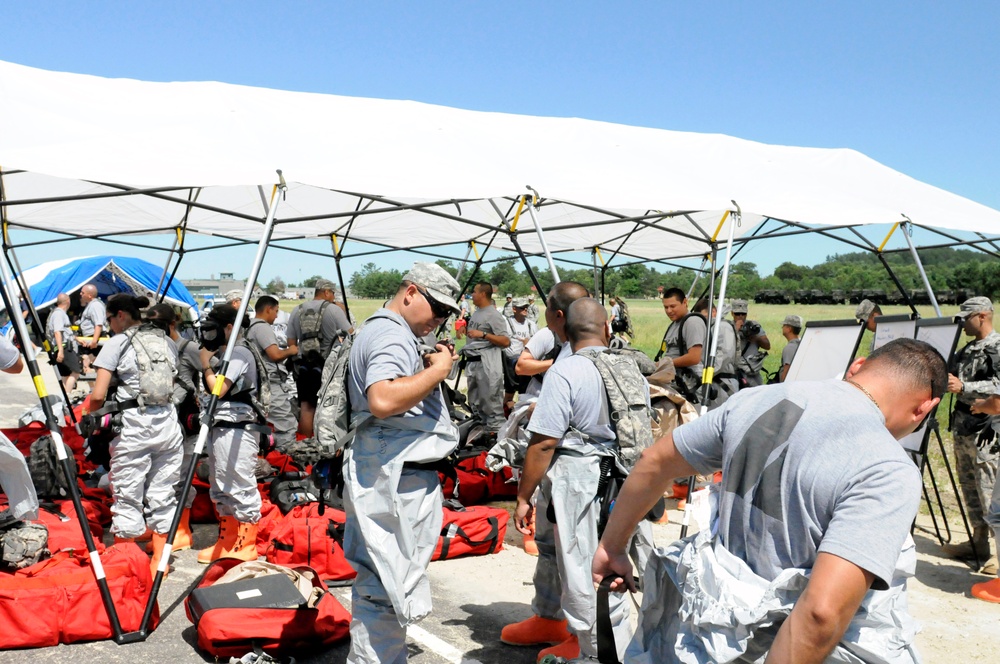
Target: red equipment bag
(232, 632)
(64, 527)
(477, 484)
(471, 531)
(303, 537)
(58, 601)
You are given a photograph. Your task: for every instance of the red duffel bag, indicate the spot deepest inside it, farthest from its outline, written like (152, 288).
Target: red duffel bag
(58, 600)
(470, 531)
(233, 631)
(303, 537)
(64, 526)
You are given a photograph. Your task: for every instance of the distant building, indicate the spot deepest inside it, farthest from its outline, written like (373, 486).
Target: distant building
(201, 289)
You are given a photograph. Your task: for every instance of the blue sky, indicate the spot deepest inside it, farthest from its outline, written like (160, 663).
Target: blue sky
(913, 84)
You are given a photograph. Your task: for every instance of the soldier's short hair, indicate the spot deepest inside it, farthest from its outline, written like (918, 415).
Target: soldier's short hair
(916, 363)
(676, 293)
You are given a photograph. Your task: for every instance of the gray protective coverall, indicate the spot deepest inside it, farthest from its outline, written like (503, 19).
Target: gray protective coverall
(394, 512)
(16, 481)
(484, 369)
(146, 456)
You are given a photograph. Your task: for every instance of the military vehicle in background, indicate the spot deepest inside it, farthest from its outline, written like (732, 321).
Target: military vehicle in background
(876, 295)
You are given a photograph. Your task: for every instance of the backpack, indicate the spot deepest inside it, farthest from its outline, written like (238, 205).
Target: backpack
(156, 365)
(628, 409)
(293, 488)
(23, 543)
(46, 471)
(310, 327)
(332, 420)
(686, 380)
(262, 403)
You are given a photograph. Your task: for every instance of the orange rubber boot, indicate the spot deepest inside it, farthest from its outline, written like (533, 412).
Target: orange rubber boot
(988, 591)
(565, 651)
(530, 547)
(182, 538)
(227, 536)
(158, 542)
(535, 631)
(244, 545)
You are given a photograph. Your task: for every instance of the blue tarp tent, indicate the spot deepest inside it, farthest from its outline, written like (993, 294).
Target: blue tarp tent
(111, 274)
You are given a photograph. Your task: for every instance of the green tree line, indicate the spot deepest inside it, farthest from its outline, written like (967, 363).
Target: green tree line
(946, 268)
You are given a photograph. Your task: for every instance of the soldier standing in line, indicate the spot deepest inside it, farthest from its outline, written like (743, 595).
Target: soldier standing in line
(975, 374)
(508, 307)
(791, 327)
(754, 345)
(483, 354)
(533, 312)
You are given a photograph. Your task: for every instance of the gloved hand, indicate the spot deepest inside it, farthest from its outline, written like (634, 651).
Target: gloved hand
(987, 439)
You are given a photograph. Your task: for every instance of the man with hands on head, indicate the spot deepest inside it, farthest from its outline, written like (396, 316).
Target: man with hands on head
(392, 495)
(814, 482)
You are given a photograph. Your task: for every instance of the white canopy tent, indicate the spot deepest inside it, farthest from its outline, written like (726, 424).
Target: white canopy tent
(92, 157)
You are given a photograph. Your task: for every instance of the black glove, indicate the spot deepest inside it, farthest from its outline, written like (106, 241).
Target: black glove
(987, 439)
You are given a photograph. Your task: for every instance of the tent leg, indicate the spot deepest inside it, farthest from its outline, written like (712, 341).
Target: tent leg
(711, 342)
(206, 424)
(697, 275)
(52, 422)
(461, 268)
(541, 237)
(597, 285)
(920, 268)
(162, 294)
(899, 286)
(527, 267)
(166, 269)
(36, 321)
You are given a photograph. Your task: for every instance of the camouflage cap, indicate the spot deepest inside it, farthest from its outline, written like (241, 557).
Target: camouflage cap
(794, 321)
(865, 309)
(439, 284)
(509, 296)
(520, 303)
(531, 297)
(325, 285)
(233, 295)
(974, 305)
(739, 306)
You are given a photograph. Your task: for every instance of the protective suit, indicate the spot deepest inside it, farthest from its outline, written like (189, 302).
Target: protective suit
(146, 456)
(703, 604)
(16, 481)
(232, 452)
(393, 504)
(484, 369)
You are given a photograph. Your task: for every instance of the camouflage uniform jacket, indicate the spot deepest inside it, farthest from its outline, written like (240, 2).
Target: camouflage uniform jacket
(977, 365)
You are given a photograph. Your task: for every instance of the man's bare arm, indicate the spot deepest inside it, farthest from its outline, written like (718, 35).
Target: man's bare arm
(527, 365)
(396, 396)
(821, 616)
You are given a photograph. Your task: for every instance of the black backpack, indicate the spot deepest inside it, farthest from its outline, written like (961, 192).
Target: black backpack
(46, 473)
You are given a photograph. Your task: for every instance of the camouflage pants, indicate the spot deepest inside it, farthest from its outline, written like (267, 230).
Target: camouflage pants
(977, 471)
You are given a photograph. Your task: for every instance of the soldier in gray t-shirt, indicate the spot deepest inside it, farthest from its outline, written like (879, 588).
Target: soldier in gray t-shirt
(487, 334)
(262, 335)
(814, 483)
(92, 322)
(683, 343)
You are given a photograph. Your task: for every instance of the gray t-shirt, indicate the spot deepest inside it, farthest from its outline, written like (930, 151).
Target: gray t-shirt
(8, 354)
(261, 334)
(540, 345)
(118, 357)
(519, 333)
(334, 321)
(490, 321)
(94, 314)
(808, 467)
(693, 335)
(788, 352)
(59, 322)
(573, 400)
(385, 350)
(725, 354)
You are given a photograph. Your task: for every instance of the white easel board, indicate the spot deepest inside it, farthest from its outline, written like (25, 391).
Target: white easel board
(942, 333)
(888, 328)
(826, 351)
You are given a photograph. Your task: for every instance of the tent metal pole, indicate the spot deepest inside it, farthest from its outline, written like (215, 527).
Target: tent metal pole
(166, 268)
(907, 229)
(340, 275)
(276, 195)
(177, 265)
(52, 423)
(541, 235)
(36, 321)
(697, 275)
(461, 268)
(899, 286)
(604, 270)
(512, 234)
(597, 283)
(712, 340)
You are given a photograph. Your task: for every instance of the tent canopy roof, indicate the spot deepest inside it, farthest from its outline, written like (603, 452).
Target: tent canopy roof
(403, 174)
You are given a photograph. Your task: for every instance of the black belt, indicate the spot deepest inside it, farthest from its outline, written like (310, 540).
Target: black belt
(246, 426)
(473, 358)
(441, 466)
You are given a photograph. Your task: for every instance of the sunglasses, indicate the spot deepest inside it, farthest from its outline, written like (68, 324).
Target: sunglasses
(439, 310)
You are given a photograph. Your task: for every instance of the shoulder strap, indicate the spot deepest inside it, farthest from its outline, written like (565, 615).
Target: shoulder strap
(680, 332)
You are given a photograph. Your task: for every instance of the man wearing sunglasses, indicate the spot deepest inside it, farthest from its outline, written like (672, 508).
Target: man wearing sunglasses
(392, 494)
(483, 354)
